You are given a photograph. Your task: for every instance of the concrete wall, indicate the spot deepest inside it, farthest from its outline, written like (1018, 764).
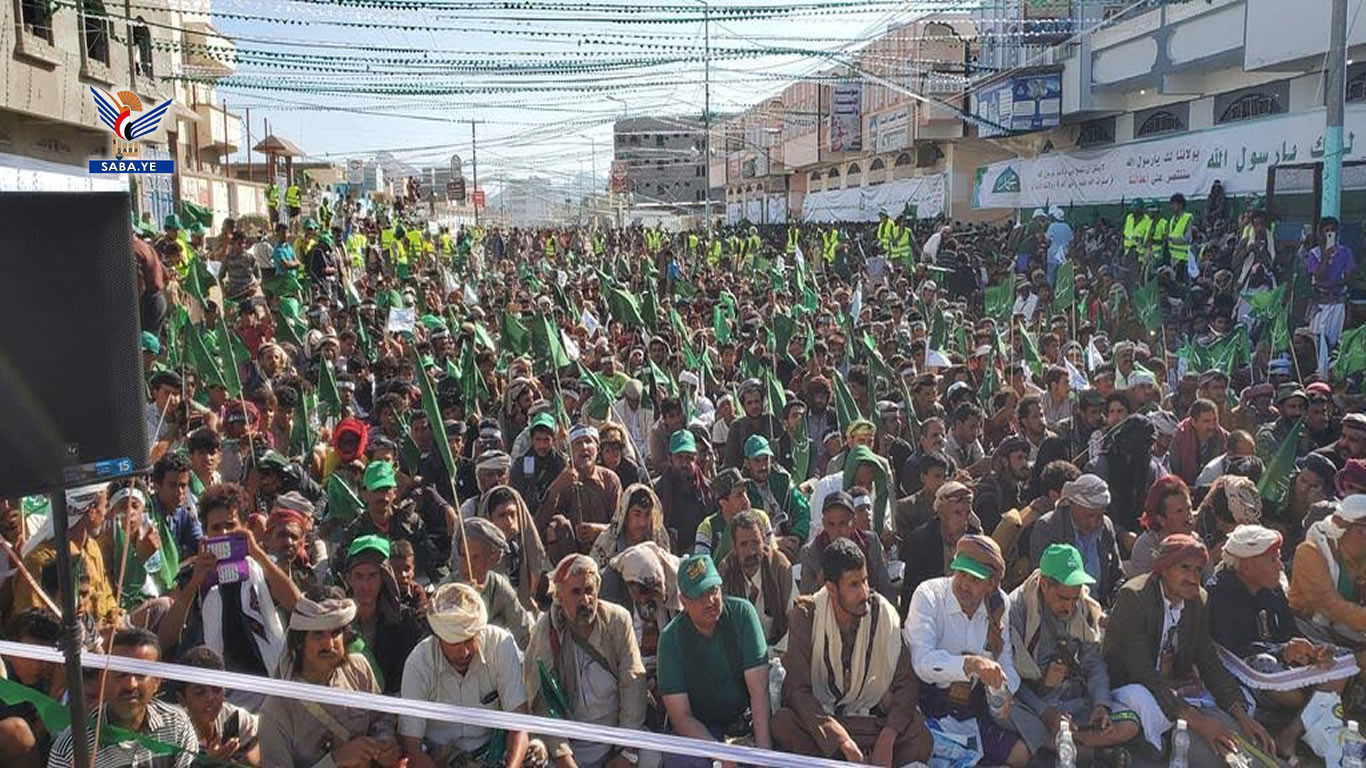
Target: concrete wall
(1273, 40)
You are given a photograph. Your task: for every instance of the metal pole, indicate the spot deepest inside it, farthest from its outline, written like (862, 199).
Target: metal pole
(249, 176)
(71, 629)
(706, 115)
(474, 162)
(1335, 94)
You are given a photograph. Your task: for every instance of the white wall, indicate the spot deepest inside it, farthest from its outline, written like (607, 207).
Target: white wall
(1281, 31)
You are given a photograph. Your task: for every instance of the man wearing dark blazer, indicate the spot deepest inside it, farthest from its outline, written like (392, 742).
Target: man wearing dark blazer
(1157, 638)
(1080, 520)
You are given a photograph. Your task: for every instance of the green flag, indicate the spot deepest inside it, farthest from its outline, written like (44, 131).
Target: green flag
(472, 386)
(1148, 306)
(649, 307)
(1351, 352)
(301, 438)
(939, 333)
(623, 306)
(343, 504)
(801, 452)
(515, 339)
(721, 323)
(1280, 467)
(777, 397)
(1266, 305)
(1031, 351)
(546, 343)
(327, 389)
(846, 409)
(195, 213)
(1064, 286)
(432, 409)
(198, 356)
(1000, 300)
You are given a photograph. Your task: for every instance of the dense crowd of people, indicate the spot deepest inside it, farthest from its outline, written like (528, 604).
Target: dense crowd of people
(877, 492)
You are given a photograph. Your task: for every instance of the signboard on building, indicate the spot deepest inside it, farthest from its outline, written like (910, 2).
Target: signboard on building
(1189, 163)
(889, 131)
(846, 117)
(1020, 104)
(455, 189)
(355, 171)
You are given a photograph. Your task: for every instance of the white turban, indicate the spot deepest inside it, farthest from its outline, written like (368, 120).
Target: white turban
(328, 615)
(457, 613)
(1251, 541)
(648, 563)
(1086, 491)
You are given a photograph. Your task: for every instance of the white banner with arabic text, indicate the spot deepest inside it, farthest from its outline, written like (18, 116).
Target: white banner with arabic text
(925, 193)
(1189, 163)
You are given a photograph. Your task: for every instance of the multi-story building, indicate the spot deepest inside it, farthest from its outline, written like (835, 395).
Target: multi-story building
(1029, 104)
(664, 160)
(55, 51)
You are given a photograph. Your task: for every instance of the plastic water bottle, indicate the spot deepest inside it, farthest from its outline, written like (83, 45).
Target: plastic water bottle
(1353, 747)
(1067, 751)
(1181, 744)
(996, 701)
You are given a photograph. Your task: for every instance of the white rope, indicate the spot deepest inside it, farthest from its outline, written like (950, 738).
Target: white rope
(429, 710)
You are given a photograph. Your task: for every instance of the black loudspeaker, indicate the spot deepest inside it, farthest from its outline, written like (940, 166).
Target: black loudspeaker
(72, 398)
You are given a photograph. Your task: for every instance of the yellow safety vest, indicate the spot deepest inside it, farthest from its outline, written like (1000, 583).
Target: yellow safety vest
(325, 216)
(292, 196)
(793, 234)
(272, 196)
(1136, 232)
(550, 246)
(886, 233)
(901, 243)
(1178, 227)
(714, 254)
(692, 243)
(831, 240)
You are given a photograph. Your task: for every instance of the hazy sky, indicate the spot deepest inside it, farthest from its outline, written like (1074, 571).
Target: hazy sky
(340, 76)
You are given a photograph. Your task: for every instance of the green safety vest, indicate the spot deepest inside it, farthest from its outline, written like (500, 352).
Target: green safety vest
(792, 236)
(599, 245)
(292, 196)
(692, 243)
(755, 245)
(1178, 227)
(715, 256)
(550, 246)
(272, 196)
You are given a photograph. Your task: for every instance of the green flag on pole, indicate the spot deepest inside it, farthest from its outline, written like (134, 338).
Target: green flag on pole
(327, 389)
(1280, 468)
(1064, 286)
(1351, 352)
(846, 410)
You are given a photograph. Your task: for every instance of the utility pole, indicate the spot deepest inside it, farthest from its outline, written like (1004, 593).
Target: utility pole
(706, 115)
(1335, 94)
(474, 164)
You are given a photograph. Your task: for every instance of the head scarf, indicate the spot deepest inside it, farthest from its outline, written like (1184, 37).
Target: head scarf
(1177, 548)
(483, 529)
(1244, 502)
(530, 550)
(650, 564)
(310, 616)
(882, 474)
(1354, 471)
(568, 566)
(1088, 491)
(612, 540)
(457, 613)
(285, 516)
(984, 550)
(355, 427)
(1250, 541)
(78, 502)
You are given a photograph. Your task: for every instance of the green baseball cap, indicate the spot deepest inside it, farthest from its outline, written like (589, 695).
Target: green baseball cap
(1063, 564)
(172, 221)
(150, 343)
(696, 575)
(378, 475)
(369, 543)
(682, 441)
(969, 566)
(756, 446)
(272, 460)
(542, 420)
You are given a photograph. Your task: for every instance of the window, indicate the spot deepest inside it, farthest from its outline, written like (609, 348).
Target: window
(1159, 122)
(37, 16)
(95, 31)
(1356, 87)
(902, 159)
(854, 177)
(142, 38)
(1097, 133)
(834, 173)
(635, 141)
(659, 140)
(1246, 107)
(877, 172)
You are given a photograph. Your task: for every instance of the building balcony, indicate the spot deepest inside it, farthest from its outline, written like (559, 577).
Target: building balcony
(218, 129)
(207, 52)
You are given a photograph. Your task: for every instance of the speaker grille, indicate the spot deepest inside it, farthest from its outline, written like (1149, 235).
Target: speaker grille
(71, 385)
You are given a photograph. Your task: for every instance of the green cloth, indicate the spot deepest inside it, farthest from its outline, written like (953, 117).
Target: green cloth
(702, 667)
